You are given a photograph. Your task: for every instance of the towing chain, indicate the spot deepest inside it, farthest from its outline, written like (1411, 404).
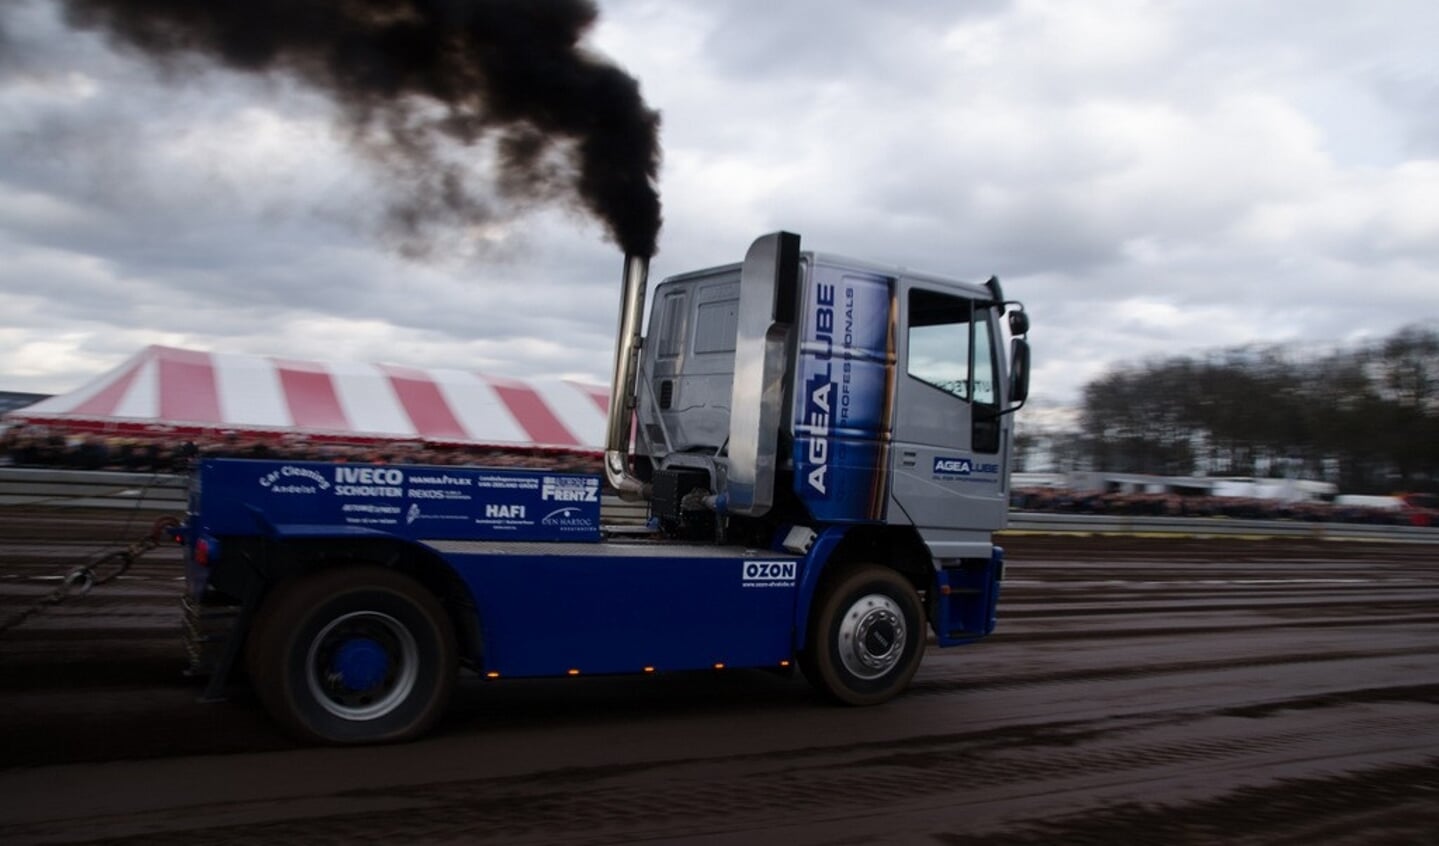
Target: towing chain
(104, 568)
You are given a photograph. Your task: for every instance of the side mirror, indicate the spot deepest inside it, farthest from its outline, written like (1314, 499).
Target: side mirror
(1018, 370)
(1018, 322)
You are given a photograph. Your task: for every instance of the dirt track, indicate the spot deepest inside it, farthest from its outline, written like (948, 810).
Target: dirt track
(1137, 691)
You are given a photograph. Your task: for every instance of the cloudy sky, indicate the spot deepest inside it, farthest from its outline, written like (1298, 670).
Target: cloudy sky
(1149, 177)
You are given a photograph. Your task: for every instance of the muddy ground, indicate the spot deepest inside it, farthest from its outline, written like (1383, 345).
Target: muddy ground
(1137, 691)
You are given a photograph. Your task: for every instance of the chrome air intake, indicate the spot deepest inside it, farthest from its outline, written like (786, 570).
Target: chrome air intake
(622, 385)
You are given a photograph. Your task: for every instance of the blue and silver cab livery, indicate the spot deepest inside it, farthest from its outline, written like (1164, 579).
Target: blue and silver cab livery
(865, 396)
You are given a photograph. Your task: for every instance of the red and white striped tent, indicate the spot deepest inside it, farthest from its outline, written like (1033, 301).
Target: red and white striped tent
(169, 389)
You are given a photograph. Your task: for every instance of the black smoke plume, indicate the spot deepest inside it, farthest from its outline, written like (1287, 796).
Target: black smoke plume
(566, 122)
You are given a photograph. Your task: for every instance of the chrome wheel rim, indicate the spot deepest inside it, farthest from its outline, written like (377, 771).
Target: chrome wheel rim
(871, 636)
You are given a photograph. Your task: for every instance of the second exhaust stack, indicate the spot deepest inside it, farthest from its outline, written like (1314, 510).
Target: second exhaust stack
(622, 385)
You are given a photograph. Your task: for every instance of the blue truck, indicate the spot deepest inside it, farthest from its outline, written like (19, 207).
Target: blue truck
(821, 447)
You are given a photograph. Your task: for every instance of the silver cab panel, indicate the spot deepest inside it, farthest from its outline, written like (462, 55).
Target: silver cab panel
(687, 372)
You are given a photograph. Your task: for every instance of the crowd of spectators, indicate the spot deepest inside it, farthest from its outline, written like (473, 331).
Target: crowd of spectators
(1065, 501)
(36, 446)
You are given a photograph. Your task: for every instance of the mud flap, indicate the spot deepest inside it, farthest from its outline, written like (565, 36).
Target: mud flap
(232, 644)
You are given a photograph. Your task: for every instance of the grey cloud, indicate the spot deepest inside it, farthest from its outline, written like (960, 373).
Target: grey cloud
(790, 42)
(826, 119)
(1414, 98)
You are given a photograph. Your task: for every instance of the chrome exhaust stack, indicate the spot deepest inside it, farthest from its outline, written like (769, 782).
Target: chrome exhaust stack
(623, 384)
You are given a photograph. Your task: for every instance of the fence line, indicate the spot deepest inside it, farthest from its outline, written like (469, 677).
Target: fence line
(1029, 522)
(20, 486)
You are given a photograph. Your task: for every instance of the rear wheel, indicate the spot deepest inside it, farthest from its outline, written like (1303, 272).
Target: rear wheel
(867, 637)
(354, 655)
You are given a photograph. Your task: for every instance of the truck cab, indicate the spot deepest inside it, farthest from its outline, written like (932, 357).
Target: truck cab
(867, 396)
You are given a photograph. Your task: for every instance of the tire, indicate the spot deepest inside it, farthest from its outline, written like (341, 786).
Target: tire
(353, 655)
(866, 637)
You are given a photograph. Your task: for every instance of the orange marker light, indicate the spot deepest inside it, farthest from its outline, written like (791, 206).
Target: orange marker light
(492, 675)
(574, 672)
(649, 669)
(719, 666)
(784, 663)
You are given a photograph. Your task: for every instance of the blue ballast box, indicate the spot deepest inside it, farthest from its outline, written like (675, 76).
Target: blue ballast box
(237, 496)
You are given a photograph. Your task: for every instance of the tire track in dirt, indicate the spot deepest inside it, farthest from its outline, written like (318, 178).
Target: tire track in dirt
(750, 795)
(1252, 692)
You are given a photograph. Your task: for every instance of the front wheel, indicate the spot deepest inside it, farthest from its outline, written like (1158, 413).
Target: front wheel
(354, 655)
(867, 637)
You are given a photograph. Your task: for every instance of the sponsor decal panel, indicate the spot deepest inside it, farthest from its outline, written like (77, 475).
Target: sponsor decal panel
(570, 489)
(768, 574)
(422, 478)
(416, 513)
(839, 410)
(369, 481)
(369, 514)
(567, 519)
(504, 517)
(292, 479)
(451, 487)
(419, 502)
(964, 468)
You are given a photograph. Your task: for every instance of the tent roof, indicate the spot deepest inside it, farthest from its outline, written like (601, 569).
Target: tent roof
(180, 388)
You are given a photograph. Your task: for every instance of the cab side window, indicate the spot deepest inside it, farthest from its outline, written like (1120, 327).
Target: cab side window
(951, 347)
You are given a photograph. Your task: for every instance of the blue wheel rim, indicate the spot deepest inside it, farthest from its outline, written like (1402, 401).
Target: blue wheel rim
(362, 665)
